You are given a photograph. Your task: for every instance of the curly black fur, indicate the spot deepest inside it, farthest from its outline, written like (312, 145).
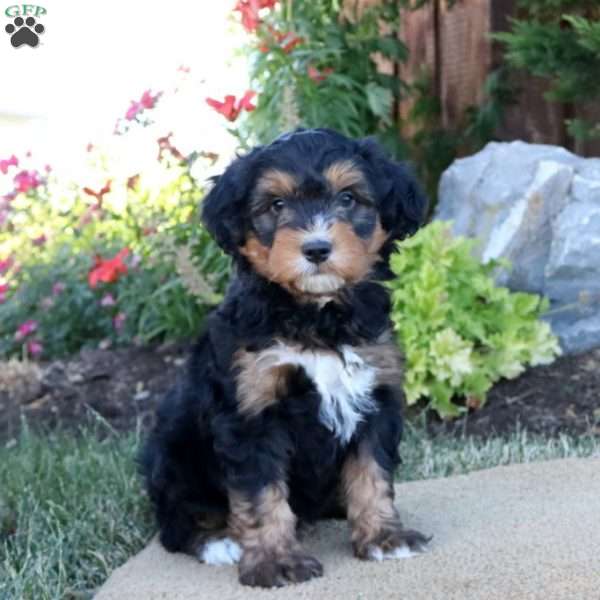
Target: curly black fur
(202, 447)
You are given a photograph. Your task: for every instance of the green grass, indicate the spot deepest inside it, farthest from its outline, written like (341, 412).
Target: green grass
(71, 508)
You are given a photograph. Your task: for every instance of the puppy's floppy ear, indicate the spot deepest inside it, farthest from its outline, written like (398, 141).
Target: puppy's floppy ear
(224, 207)
(401, 203)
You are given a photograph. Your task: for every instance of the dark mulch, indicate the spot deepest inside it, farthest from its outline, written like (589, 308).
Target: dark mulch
(123, 386)
(561, 397)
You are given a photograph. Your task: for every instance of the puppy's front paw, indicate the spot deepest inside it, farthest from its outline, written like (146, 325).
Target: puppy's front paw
(277, 571)
(392, 543)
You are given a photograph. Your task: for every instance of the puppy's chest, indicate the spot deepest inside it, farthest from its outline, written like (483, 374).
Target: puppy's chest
(344, 379)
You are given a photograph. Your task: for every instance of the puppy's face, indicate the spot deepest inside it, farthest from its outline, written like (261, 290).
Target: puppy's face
(313, 230)
(314, 211)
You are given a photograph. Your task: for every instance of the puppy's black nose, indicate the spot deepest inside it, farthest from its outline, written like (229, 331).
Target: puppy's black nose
(317, 251)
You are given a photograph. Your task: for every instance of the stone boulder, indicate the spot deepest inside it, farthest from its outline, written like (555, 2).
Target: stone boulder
(539, 207)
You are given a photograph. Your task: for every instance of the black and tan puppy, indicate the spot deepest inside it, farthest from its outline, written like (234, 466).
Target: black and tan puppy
(292, 405)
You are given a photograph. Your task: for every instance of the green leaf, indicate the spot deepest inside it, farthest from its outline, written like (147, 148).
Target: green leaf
(380, 101)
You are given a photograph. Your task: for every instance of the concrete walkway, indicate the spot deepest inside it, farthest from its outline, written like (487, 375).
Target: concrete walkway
(520, 532)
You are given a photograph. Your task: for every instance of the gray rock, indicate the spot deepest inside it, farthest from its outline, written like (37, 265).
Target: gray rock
(539, 207)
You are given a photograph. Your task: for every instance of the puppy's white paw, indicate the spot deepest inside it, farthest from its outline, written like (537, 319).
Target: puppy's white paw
(376, 553)
(223, 551)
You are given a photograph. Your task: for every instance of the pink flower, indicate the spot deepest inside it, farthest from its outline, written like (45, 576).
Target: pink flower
(5, 265)
(133, 110)
(34, 347)
(148, 100)
(26, 180)
(119, 321)
(58, 288)
(4, 216)
(136, 261)
(25, 329)
(47, 303)
(40, 240)
(5, 163)
(108, 300)
(3, 291)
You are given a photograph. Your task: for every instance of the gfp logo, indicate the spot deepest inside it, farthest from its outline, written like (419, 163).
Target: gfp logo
(24, 28)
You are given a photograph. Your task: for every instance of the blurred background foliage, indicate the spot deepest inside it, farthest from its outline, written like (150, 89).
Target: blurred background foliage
(559, 41)
(119, 257)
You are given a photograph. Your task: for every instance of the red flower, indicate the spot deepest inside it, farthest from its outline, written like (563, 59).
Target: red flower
(5, 265)
(26, 180)
(25, 329)
(132, 182)
(100, 194)
(3, 291)
(108, 271)
(164, 144)
(13, 161)
(34, 347)
(39, 241)
(286, 40)
(249, 10)
(318, 76)
(229, 108)
(226, 108)
(292, 42)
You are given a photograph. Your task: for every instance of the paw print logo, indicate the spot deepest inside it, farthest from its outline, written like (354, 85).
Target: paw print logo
(24, 32)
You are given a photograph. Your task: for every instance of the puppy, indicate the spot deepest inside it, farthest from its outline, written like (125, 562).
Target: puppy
(291, 409)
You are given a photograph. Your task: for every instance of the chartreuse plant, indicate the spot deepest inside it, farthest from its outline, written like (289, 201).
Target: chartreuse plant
(460, 332)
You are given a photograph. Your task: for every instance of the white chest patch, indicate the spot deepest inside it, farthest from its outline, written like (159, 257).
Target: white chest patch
(345, 385)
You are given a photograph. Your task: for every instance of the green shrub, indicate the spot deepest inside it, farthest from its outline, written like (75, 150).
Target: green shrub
(459, 331)
(313, 64)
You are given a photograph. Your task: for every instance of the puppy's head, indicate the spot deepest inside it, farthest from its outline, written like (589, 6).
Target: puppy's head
(314, 211)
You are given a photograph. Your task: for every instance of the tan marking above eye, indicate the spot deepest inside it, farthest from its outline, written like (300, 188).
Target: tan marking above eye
(344, 174)
(276, 183)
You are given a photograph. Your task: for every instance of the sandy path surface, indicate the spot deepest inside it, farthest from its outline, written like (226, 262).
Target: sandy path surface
(519, 532)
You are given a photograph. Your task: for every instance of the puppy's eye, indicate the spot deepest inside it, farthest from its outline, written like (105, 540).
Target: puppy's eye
(277, 205)
(346, 199)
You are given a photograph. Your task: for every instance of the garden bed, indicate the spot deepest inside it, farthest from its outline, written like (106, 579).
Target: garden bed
(122, 387)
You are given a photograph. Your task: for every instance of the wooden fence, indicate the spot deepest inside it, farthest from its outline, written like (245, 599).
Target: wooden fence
(453, 44)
